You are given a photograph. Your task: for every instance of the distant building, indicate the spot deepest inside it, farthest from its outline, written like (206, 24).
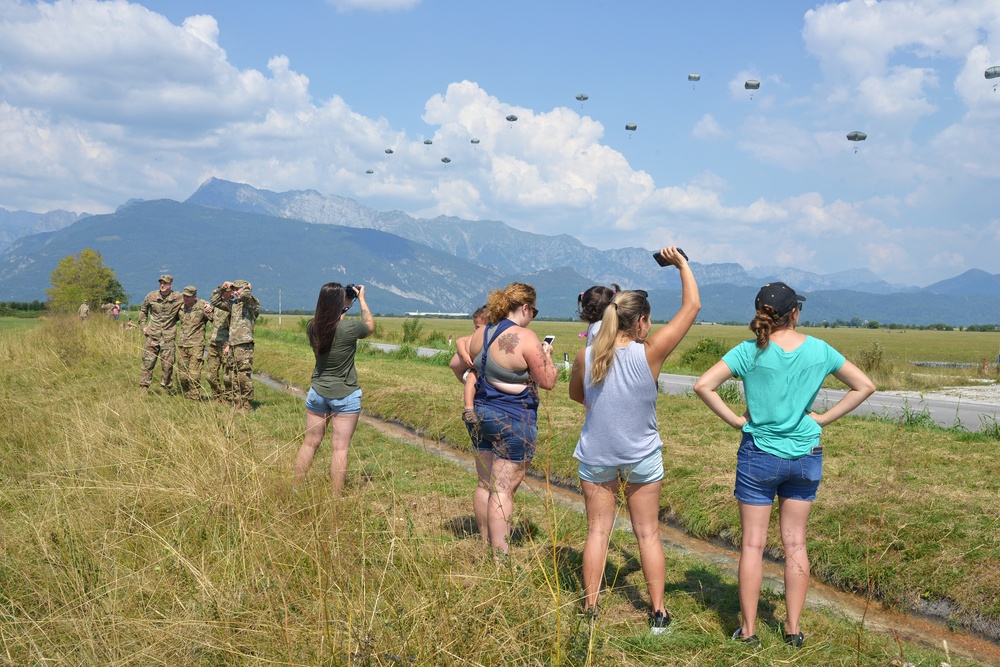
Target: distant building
(420, 314)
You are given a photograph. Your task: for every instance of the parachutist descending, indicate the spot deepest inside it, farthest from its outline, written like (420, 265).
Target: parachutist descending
(856, 136)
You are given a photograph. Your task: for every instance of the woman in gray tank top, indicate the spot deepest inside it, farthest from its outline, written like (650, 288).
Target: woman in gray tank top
(615, 377)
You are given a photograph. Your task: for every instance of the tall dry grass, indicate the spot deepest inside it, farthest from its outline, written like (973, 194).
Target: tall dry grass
(152, 530)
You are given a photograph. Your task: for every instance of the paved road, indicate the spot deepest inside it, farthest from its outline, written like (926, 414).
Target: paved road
(945, 411)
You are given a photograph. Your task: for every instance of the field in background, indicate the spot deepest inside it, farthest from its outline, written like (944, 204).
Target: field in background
(887, 353)
(156, 531)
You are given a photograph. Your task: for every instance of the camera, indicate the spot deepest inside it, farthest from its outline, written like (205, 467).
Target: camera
(351, 291)
(663, 262)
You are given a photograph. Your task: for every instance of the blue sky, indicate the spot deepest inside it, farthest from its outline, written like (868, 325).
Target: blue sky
(101, 102)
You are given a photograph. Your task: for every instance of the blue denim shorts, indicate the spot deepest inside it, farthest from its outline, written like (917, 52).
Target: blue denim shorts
(324, 406)
(760, 475)
(505, 436)
(649, 469)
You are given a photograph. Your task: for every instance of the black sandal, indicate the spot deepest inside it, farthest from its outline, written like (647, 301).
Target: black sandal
(795, 640)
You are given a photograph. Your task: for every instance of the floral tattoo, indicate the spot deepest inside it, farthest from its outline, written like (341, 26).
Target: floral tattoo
(508, 342)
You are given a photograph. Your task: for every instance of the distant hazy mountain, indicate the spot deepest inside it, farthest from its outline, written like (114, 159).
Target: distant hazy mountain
(440, 265)
(204, 247)
(494, 243)
(15, 224)
(969, 283)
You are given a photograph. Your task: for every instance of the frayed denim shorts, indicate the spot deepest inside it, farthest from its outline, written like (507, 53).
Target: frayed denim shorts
(761, 475)
(503, 435)
(324, 406)
(649, 469)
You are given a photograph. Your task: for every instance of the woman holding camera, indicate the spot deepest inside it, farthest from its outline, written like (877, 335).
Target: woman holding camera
(511, 363)
(335, 397)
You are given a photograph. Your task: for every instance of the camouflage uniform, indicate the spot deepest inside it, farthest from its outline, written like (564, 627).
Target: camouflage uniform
(217, 358)
(191, 344)
(243, 314)
(83, 311)
(158, 319)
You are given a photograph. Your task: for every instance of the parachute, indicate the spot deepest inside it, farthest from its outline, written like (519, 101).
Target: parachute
(388, 151)
(427, 142)
(511, 118)
(752, 84)
(993, 73)
(474, 141)
(446, 160)
(582, 98)
(694, 77)
(369, 171)
(631, 127)
(856, 136)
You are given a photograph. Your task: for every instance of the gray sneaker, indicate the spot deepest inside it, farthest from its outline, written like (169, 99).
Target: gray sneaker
(658, 622)
(752, 640)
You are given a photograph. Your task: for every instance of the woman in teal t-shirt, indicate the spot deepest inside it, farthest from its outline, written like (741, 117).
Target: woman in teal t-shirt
(780, 452)
(335, 397)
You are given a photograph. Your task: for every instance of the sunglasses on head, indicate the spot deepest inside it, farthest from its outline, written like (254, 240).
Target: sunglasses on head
(645, 297)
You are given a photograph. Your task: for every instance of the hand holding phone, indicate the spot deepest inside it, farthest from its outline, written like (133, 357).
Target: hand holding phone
(548, 339)
(662, 262)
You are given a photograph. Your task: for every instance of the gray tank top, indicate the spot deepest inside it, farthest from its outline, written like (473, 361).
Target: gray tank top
(501, 374)
(620, 427)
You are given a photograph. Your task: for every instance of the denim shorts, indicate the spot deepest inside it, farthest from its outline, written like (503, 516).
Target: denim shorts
(760, 475)
(505, 436)
(649, 469)
(321, 405)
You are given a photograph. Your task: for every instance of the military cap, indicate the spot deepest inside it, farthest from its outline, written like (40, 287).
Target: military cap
(166, 278)
(240, 284)
(190, 290)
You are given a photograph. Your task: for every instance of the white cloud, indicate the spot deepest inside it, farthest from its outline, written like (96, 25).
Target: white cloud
(708, 128)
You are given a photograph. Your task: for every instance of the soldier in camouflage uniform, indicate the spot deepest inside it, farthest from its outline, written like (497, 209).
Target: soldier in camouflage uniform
(218, 357)
(158, 321)
(243, 312)
(194, 316)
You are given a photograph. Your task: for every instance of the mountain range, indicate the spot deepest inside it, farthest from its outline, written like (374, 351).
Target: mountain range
(288, 244)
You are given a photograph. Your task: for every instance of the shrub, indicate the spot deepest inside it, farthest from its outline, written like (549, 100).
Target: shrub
(703, 355)
(411, 330)
(871, 359)
(437, 339)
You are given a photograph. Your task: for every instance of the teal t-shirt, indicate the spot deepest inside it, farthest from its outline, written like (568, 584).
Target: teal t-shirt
(334, 375)
(780, 388)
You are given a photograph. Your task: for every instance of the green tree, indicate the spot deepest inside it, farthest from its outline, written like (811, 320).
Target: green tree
(78, 278)
(114, 292)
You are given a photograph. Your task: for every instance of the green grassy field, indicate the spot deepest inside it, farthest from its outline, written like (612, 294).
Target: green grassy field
(153, 530)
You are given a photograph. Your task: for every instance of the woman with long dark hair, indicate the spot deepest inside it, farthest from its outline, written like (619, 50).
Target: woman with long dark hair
(335, 396)
(620, 449)
(780, 452)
